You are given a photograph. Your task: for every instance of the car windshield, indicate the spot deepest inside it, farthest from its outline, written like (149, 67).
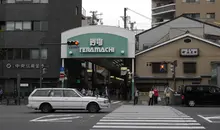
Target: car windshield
(79, 93)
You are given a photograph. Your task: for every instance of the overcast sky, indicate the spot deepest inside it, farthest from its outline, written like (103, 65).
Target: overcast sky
(113, 9)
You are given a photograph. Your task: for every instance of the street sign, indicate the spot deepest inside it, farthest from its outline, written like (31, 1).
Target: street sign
(62, 69)
(62, 75)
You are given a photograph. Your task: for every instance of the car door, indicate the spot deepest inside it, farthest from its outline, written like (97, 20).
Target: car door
(56, 99)
(72, 100)
(215, 91)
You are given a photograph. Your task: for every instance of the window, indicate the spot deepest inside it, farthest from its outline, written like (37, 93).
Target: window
(26, 25)
(40, 25)
(191, 1)
(3, 1)
(10, 1)
(189, 67)
(77, 10)
(41, 93)
(56, 93)
(156, 68)
(18, 54)
(210, 15)
(25, 54)
(40, 1)
(210, 1)
(10, 54)
(10, 26)
(18, 25)
(44, 54)
(193, 15)
(70, 93)
(35, 54)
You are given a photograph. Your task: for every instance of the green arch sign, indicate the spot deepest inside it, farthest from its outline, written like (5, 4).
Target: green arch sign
(98, 45)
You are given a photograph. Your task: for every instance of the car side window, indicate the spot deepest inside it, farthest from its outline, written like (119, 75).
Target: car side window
(188, 89)
(70, 93)
(41, 93)
(56, 93)
(214, 89)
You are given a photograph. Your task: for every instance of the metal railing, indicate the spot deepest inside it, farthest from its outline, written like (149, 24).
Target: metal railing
(164, 9)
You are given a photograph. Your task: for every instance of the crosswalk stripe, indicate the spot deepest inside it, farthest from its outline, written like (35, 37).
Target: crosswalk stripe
(183, 124)
(157, 118)
(148, 120)
(151, 127)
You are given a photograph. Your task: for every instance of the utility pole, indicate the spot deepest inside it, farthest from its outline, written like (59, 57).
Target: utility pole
(95, 20)
(125, 18)
(132, 25)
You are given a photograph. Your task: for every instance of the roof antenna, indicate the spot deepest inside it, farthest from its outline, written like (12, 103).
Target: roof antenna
(187, 31)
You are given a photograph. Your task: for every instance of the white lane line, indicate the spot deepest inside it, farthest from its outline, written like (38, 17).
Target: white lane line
(150, 127)
(65, 119)
(140, 118)
(205, 118)
(147, 116)
(41, 117)
(103, 120)
(115, 102)
(171, 124)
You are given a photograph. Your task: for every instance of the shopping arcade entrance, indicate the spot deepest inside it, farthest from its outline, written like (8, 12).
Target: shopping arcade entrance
(106, 46)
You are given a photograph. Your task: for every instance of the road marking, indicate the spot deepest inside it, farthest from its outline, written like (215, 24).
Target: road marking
(158, 118)
(148, 120)
(209, 119)
(205, 118)
(116, 102)
(56, 118)
(129, 123)
(140, 117)
(151, 127)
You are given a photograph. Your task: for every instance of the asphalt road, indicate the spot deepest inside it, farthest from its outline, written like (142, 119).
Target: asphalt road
(198, 113)
(22, 118)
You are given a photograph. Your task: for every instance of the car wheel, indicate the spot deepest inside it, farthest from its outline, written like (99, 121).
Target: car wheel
(93, 108)
(191, 103)
(46, 108)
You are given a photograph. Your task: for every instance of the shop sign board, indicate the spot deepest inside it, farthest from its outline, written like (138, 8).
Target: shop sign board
(98, 45)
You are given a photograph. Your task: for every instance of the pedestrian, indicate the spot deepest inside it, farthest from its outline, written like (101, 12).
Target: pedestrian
(136, 95)
(83, 91)
(1, 94)
(167, 93)
(156, 94)
(107, 94)
(97, 92)
(151, 93)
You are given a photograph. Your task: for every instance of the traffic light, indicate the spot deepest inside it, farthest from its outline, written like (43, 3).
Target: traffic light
(162, 67)
(76, 43)
(172, 68)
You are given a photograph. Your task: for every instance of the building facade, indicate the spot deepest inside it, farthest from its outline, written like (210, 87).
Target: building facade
(174, 28)
(205, 10)
(195, 57)
(24, 24)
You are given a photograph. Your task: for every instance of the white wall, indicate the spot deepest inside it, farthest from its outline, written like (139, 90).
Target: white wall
(175, 28)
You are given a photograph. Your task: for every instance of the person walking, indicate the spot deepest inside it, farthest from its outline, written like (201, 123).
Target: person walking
(167, 93)
(151, 94)
(156, 94)
(136, 95)
(1, 94)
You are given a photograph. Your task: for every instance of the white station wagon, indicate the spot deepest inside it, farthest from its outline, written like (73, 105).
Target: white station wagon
(51, 99)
